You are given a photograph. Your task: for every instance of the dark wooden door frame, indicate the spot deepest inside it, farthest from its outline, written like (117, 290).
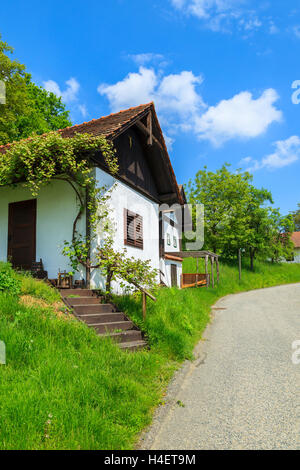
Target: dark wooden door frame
(174, 281)
(10, 227)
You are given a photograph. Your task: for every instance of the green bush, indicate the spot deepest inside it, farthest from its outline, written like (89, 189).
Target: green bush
(9, 283)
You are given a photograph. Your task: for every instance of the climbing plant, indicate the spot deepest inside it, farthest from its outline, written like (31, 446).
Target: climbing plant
(37, 161)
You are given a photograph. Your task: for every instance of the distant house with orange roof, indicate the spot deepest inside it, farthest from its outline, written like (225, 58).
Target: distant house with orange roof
(296, 240)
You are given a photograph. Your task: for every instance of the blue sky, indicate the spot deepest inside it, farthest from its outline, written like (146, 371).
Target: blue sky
(220, 73)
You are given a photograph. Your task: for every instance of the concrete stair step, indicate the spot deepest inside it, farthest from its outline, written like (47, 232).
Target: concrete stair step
(112, 326)
(94, 318)
(97, 308)
(133, 346)
(126, 336)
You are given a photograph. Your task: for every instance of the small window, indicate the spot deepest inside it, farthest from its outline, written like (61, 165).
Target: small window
(168, 239)
(291, 258)
(175, 242)
(133, 229)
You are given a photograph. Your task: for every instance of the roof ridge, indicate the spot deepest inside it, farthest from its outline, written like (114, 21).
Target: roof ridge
(81, 124)
(108, 115)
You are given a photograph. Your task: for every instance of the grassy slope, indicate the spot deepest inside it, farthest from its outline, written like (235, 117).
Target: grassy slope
(64, 388)
(176, 321)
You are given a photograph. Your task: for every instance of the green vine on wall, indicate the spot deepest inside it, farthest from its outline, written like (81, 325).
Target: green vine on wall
(37, 161)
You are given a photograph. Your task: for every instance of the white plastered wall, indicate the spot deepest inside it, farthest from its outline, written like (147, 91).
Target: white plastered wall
(171, 234)
(124, 197)
(165, 266)
(57, 207)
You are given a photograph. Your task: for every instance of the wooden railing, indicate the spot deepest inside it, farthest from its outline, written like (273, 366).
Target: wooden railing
(145, 294)
(194, 280)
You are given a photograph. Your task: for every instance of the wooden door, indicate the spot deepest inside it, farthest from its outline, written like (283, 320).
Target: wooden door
(22, 233)
(174, 275)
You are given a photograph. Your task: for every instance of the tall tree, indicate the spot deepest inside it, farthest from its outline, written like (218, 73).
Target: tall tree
(29, 109)
(281, 227)
(237, 217)
(296, 217)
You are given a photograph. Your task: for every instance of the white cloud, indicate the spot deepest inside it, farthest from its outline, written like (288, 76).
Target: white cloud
(69, 94)
(169, 141)
(83, 109)
(218, 15)
(273, 29)
(250, 24)
(135, 89)
(52, 87)
(286, 152)
(181, 107)
(296, 31)
(175, 95)
(239, 117)
(146, 58)
(205, 8)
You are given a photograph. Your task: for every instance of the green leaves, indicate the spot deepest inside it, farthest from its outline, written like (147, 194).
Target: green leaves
(237, 215)
(129, 272)
(296, 218)
(9, 283)
(29, 109)
(36, 161)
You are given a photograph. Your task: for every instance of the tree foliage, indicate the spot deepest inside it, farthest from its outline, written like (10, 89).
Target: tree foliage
(9, 283)
(239, 216)
(29, 109)
(296, 218)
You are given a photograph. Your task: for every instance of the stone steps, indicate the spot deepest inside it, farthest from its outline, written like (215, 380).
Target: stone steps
(104, 318)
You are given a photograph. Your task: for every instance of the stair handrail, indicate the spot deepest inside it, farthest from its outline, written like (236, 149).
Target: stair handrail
(145, 294)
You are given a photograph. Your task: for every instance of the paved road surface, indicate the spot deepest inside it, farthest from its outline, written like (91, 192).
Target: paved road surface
(242, 391)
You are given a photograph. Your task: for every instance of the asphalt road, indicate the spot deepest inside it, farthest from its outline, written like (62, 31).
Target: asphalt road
(243, 390)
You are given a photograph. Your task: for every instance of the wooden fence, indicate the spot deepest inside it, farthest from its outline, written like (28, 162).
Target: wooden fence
(194, 280)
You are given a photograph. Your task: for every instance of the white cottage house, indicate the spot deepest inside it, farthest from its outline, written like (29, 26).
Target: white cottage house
(36, 228)
(296, 241)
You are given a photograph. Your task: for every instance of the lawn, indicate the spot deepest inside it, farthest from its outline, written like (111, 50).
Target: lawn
(64, 388)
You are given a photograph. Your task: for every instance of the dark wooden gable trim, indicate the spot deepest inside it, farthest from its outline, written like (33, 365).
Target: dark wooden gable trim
(156, 162)
(134, 167)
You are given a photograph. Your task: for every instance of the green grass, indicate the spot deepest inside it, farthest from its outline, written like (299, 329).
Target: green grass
(64, 388)
(175, 323)
(38, 289)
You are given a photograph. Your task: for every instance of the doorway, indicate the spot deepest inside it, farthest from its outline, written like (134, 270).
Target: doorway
(174, 275)
(21, 251)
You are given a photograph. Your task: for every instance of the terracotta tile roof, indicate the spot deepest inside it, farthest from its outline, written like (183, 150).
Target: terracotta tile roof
(113, 125)
(109, 126)
(173, 257)
(296, 239)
